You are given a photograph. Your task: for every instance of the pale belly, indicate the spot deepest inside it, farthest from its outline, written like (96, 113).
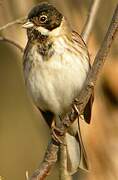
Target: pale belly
(54, 84)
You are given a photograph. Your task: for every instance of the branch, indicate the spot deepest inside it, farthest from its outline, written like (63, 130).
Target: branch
(90, 20)
(17, 21)
(99, 60)
(50, 159)
(63, 174)
(4, 39)
(84, 96)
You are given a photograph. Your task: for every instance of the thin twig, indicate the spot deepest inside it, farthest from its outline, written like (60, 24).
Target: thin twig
(4, 39)
(85, 95)
(17, 21)
(50, 159)
(99, 60)
(90, 20)
(63, 174)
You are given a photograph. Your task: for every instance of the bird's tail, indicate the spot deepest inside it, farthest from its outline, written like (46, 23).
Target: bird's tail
(76, 154)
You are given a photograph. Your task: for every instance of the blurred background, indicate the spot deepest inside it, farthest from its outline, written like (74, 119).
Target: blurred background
(23, 133)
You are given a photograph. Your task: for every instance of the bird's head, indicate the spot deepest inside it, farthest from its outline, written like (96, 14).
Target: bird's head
(42, 19)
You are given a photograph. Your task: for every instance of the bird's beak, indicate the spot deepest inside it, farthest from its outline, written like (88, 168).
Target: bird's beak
(27, 25)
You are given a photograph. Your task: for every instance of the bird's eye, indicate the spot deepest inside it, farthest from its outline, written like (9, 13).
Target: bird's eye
(43, 18)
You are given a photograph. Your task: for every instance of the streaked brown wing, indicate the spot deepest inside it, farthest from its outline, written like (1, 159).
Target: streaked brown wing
(81, 44)
(78, 40)
(88, 109)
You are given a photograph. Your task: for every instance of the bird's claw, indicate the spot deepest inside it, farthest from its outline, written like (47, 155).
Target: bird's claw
(57, 134)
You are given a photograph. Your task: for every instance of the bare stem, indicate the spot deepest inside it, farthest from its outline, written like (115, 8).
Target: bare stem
(4, 39)
(50, 159)
(99, 60)
(90, 20)
(63, 174)
(17, 21)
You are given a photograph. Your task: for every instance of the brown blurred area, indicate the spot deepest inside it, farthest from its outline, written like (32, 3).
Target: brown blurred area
(23, 133)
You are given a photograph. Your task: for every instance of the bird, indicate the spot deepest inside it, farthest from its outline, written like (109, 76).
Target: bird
(56, 63)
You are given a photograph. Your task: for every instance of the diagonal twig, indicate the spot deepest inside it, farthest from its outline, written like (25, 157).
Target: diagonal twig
(17, 21)
(5, 39)
(90, 20)
(100, 59)
(50, 159)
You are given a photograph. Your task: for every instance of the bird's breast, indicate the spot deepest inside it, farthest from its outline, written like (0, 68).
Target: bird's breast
(55, 82)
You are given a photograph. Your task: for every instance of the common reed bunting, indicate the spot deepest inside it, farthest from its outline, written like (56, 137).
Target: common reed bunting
(56, 63)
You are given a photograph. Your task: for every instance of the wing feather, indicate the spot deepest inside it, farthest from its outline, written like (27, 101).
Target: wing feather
(81, 44)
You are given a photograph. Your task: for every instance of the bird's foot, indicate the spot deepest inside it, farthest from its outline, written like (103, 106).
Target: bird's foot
(57, 134)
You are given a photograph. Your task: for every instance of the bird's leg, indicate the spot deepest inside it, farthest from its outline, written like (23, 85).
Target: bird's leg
(57, 133)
